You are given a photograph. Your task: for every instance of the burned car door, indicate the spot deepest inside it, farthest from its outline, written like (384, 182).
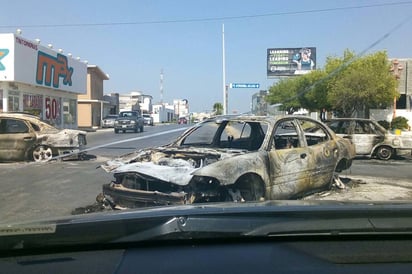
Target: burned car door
(365, 137)
(16, 139)
(289, 163)
(323, 153)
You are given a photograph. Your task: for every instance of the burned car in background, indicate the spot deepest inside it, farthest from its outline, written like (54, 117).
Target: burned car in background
(231, 158)
(26, 137)
(370, 138)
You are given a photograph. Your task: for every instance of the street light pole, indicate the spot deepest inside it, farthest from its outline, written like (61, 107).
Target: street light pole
(224, 72)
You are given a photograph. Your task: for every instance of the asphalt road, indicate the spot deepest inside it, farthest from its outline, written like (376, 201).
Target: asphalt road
(32, 191)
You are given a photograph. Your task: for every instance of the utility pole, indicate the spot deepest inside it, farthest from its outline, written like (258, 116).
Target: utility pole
(161, 86)
(224, 72)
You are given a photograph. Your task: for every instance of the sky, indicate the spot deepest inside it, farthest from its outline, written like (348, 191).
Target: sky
(134, 40)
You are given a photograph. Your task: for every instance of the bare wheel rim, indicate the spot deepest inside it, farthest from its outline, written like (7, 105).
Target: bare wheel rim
(42, 154)
(384, 153)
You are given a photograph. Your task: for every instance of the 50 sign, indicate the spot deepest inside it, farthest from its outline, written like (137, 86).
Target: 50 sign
(52, 108)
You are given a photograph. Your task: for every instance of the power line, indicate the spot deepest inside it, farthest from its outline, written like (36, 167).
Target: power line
(210, 19)
(350, 61)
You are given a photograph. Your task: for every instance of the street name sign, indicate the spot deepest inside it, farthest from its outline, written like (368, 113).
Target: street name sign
(244, 85)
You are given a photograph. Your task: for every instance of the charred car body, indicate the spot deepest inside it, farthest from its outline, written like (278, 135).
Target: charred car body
(370, 138)
(26, 137)
(242, 158)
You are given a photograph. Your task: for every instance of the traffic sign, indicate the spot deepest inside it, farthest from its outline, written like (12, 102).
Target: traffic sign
(244, 85)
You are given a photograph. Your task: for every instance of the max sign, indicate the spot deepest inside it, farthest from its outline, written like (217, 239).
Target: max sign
(50, 69)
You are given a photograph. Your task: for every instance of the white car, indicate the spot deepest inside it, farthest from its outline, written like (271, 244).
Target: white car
(148, 120)
(370, 138)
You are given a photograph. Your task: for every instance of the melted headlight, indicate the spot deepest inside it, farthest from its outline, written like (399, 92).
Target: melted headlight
(396, 142)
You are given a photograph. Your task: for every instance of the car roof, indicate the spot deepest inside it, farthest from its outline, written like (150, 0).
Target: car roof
(349, 119)
(269, 119)
(23, 115)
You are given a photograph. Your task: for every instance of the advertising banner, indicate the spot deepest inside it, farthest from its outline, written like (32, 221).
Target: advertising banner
(290, 61)
(25, 61)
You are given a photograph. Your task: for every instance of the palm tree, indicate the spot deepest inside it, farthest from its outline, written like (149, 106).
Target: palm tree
(218, 108)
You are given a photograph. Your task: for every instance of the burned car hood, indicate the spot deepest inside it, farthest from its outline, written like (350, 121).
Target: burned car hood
(169, 164)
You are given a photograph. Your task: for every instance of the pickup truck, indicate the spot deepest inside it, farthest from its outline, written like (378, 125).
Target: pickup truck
(129, 120)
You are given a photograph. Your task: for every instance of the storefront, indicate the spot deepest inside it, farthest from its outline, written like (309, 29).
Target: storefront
(39, 80)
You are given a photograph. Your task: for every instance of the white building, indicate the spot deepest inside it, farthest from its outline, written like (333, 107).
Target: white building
(181, 108)
(136, 101)
(40, 80)
(163, 113)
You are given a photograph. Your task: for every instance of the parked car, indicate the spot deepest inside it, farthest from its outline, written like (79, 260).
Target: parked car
(370, 138)
(148, 119)
(27, 137)
(241, 158)
(108, 121)
(129, 120)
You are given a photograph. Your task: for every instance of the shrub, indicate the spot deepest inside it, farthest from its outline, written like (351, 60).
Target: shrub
(399, 123)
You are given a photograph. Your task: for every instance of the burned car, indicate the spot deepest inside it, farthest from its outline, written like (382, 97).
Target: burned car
(241, 158)
(370, 138)
(26, 137)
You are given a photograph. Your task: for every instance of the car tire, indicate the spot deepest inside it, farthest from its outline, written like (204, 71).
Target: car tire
(116, 130)
(384, 152)
(42, 154)
(251, 187)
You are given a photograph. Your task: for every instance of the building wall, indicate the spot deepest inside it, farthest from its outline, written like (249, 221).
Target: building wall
(91, 116)
(402, 68)
(85, 115)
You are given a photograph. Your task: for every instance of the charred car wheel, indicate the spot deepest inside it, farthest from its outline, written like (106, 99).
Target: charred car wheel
(384, 152)
(42, 154)
(250, 187)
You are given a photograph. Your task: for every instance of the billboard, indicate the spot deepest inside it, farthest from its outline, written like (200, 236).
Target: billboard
(290, 61)
(25, 61)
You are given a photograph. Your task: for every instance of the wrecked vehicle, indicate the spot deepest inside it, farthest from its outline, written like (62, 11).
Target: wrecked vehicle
(231, 158)
(26, 137)
(370, 138)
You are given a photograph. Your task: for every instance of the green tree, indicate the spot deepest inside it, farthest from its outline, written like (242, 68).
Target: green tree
(362, 84)
(348, 85)
(217, 108)
(284, 92)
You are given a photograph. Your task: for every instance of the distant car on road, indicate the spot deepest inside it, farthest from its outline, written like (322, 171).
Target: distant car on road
(27, 137)
(108, 121)
(182, 120)
(148, 119)
(129, 120)
(370, 138)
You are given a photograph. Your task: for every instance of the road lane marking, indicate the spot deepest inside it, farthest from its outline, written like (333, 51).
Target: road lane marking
(122, 141)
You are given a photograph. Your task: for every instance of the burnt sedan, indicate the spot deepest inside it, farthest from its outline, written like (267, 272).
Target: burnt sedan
(241, 158)
(26, 137)
(370, 138)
